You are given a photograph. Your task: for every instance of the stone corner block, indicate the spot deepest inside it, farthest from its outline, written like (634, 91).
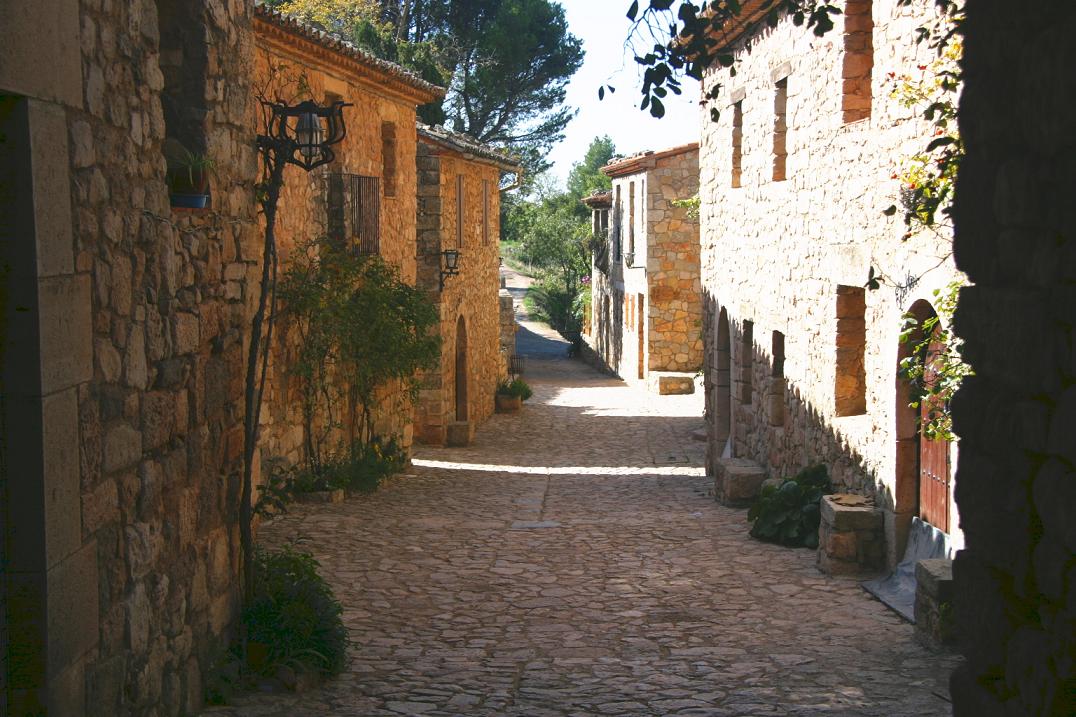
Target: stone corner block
(671, 383)
(851, 538)
(737, 481)
(934, 624)
(458, 434)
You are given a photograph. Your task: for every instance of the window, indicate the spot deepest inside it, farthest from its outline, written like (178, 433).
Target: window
(354, 211)
(858, 59)
(850, 381)
(747, 348)
(778, 353)
(776, 393)
(184, 57)
(618, 221)
(631, 219)
(388, 157)
(737, 143)
(780, 129)
(485, 211)
(459, 211)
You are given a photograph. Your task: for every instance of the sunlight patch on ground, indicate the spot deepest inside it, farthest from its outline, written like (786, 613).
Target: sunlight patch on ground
(563, 470)
(624, 400)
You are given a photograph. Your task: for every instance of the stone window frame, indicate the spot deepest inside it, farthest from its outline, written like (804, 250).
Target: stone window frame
(857, 66)
(849, 375)
(780, 77)
(388, 158)
(775, 398)
(485, 211)
(631, 221)
(738, 98)
(747, 362)
(618, 221)
(459, 210)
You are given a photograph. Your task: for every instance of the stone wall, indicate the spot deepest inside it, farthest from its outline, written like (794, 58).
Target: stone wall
(674, 315)
(778, 255)
(1015, 592)
(469, 299)
(124, 351)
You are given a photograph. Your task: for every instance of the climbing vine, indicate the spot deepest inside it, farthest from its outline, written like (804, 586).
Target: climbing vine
(934, 369)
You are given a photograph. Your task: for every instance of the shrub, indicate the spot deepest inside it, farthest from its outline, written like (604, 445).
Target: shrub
(789, 514)
(362, 467)
(293, 619)
(517, 388)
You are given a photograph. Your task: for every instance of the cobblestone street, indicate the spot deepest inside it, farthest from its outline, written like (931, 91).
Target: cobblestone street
(572, 562)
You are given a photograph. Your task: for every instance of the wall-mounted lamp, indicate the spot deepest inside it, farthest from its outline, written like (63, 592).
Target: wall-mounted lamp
(303, 134)
(450, 264)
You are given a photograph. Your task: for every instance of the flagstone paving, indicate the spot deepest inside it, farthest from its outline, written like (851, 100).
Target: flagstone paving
(573, 562)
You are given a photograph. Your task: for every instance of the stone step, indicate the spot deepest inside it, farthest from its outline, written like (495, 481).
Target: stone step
(738, 481)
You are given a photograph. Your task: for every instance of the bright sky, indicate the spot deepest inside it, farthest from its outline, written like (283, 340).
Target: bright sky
(603, 26)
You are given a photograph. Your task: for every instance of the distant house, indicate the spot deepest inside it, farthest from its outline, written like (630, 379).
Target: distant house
(646, 306)
(459, 209)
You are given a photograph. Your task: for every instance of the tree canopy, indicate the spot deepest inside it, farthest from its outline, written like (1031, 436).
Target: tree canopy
(506, 63)
(586, 176)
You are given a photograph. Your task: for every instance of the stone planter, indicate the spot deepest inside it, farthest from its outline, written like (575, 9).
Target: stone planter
(850, 537)
(508, 404)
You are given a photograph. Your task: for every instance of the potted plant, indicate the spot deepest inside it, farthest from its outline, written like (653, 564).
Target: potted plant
(188, 176)
(511, 395)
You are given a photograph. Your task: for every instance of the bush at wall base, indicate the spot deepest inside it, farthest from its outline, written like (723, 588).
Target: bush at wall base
(293, 619)
(789, 513)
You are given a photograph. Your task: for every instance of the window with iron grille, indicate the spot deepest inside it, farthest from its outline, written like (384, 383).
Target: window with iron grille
(354, 209)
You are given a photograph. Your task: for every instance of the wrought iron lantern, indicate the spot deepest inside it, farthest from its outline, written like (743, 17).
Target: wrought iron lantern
(303, 134)
(450, 264)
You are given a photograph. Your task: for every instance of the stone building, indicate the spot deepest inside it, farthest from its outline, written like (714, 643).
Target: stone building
(801, 359)
(646, 305)
(1016, 485)
(366, 198)
(125, 325)
(459, 211)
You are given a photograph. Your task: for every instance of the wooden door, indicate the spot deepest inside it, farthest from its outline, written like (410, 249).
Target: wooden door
(934, 468)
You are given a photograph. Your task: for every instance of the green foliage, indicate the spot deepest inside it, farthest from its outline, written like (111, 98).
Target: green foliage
(362, 468)
(691, 204)
(934, 369)
(789, 514)
(293, 619)
(516, 388)
(550, 301)
(360, 328)
(586, 177)
(929, 177)
(506, 63)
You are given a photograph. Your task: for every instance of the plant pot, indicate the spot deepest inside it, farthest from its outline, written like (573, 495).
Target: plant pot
(189, 201)
(508, 404)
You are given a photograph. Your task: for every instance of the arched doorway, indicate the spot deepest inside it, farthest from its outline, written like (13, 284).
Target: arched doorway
(722, 385)
(924, 472)
(461, 370)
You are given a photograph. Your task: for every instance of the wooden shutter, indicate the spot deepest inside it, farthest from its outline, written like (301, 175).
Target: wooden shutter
(365, 214)
(336, 216)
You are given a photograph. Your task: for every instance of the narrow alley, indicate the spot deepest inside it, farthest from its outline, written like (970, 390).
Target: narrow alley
(572, 562)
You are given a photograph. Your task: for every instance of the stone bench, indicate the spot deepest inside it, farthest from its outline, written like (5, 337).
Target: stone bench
(671, 383)
(851, 536)
(934, 602)
(738, 481)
